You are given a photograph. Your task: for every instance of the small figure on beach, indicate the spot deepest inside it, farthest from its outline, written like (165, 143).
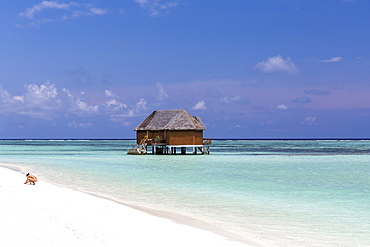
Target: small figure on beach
(30, 179)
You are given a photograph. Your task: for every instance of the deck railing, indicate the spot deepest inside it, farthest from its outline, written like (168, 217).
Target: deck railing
(147, 141)
(207, 141)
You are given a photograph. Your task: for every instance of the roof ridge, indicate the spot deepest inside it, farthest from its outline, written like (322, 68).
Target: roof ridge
(173, 118)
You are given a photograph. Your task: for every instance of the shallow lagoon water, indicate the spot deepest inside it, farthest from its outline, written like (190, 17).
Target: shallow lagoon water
(274, 192)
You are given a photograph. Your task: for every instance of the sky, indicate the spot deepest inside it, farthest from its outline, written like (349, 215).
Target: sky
(249, 69)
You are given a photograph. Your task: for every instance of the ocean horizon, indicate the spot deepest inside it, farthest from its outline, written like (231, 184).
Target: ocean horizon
(275, 192)
(217, 139)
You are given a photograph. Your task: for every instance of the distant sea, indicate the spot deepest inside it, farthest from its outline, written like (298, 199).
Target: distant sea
(273, 192)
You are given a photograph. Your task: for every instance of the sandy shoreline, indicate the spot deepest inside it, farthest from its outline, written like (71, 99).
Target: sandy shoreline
(49, 215)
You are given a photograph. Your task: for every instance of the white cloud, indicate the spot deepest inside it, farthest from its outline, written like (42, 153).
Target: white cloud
(230, 99)
(69, 10)
(155, 6)
(4, 95)
(332, 60)
(87, 12)
(45, 101)
(282, 107)
(168, 5)
(40, 97)
(30, 12)
(39, 101)
(85, 107)
(36, 102)
(277, 64)
(162, 95)
(109, 94)
(132, 111)
(141, 105)
(98, 11)
(19, 98)
(201, 105)
(44, 91)
(114, 105)
(310, 121)
(141, 1)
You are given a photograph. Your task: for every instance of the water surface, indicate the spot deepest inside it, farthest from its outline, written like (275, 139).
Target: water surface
(275, 192)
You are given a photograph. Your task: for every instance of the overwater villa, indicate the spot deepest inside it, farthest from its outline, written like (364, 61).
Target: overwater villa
(171, 132)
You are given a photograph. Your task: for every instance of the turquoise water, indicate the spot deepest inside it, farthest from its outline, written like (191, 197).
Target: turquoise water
(276, 193)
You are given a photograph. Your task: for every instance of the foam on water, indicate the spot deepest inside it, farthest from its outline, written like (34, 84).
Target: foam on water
(278, 193)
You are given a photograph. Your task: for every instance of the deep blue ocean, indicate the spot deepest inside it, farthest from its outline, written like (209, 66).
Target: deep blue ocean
(273, 192)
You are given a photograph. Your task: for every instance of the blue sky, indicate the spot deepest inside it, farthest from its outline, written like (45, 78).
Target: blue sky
(249, 69)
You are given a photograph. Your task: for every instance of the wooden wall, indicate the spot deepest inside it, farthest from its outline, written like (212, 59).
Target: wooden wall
(174, 137)
(185, 137)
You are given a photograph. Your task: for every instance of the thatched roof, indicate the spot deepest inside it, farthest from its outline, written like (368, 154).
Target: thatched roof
(171, 120)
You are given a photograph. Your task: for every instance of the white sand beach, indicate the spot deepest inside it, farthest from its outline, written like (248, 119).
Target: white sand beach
(48, 215)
